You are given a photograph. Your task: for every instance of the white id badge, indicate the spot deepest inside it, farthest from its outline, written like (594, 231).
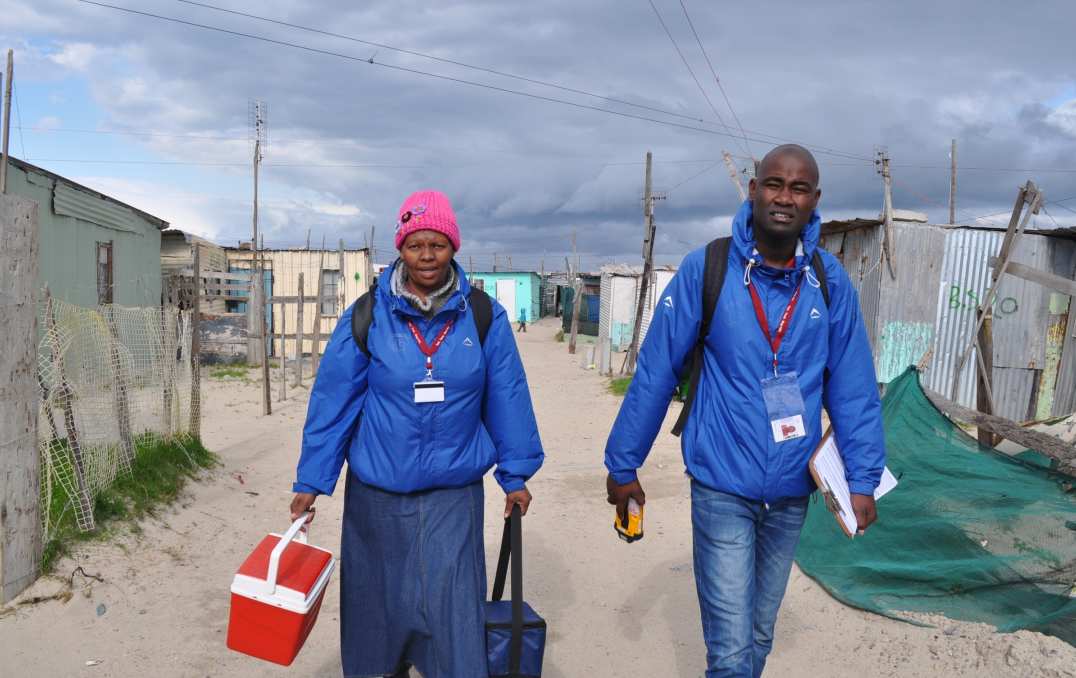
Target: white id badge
(429, 391)
(784, 405)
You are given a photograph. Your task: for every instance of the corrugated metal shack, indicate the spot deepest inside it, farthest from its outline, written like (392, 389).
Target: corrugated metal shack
(551, 284)
(94, 249)
(620, 300)
(177, 259)
(345, 276)
(941, 273)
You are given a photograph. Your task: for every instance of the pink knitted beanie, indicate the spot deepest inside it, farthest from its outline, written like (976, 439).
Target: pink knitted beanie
(427, 211)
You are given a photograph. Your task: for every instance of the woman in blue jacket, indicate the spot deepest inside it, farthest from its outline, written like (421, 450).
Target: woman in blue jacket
(420, 415)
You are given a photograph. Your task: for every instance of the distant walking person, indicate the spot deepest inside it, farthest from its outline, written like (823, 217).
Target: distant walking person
(785, 339)
(422, 395)
(522, 320)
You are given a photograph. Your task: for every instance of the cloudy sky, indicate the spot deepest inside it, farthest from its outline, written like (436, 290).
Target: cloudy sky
(156, 112)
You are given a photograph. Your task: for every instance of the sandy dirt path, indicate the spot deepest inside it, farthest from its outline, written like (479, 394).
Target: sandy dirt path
(613, 609)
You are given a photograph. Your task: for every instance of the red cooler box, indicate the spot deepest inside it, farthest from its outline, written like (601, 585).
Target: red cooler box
(276, 596)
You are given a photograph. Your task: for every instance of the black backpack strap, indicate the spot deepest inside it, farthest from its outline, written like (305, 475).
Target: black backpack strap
(713, 277)
(512, 549)
(482, 308)
(362, 316)
(820, 273)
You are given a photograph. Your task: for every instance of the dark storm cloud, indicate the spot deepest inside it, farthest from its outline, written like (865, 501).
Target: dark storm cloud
(524, 174)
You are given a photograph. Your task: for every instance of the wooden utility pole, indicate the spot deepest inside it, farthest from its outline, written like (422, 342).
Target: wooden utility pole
(577, 300)
(299, 328)
(255, 344)
(887, 211)
(20, 460)
(952, 184)
(341, 281)
(494, 262)
(7, 118)
(648, 257)
(196, 347)
(734, 174)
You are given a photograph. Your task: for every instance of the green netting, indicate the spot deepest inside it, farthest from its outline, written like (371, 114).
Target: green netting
(970, 534)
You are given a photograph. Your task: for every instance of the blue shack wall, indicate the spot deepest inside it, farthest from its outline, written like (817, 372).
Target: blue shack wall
(528, 290)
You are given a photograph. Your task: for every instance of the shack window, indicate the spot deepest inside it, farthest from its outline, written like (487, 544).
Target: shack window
(104, 273)
(330, 291)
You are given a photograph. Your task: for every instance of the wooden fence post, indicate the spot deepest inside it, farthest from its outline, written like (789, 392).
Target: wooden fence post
(120, 401)
(315, 352)
(66, 402)
(20, 510)
(283, 353)
(299, 335)
(195, 428)
(168, 353)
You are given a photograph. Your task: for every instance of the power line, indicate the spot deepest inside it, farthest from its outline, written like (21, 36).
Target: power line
(695, 176)
(688, 66)
(716, 79)
(18, 114)
(432, 57)
(136, 133)
(414, 71)
(100, 161)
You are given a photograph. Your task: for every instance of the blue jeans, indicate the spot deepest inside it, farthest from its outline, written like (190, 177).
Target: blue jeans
(743, 555)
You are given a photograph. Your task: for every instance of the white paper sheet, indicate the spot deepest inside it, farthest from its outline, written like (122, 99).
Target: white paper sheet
(830, 469)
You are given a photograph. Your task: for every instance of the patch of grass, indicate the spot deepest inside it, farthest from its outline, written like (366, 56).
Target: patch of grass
(559, 336)
(160, 471)
(226, 372)
(619, 386)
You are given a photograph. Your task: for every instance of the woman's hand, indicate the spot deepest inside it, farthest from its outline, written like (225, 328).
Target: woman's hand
(302, 503)
(521, 497)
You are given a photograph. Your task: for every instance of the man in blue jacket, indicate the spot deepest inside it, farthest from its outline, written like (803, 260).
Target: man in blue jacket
(775, 353)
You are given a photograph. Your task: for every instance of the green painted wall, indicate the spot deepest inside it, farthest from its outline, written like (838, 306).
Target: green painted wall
(528, 290)
(68, 246)
(903, 344)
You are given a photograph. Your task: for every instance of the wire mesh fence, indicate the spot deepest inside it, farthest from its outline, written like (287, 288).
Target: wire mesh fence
(110, 379)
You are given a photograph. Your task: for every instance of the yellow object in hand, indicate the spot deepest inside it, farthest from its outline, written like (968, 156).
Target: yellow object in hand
(634, 530)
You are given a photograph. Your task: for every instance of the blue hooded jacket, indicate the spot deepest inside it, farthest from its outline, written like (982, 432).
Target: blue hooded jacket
(727, 442)
(364, 409)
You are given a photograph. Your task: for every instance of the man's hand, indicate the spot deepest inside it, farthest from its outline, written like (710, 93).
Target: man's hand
(303, 502)
(521, 497)
(863, 506)
(618, 496)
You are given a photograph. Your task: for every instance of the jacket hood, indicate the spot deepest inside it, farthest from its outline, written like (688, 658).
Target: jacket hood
(458, 300)
(743, 236)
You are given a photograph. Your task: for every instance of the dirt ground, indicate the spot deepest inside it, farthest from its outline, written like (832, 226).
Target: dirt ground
(613, 609)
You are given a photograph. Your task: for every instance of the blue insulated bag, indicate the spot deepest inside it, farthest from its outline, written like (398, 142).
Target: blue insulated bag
(515, 634)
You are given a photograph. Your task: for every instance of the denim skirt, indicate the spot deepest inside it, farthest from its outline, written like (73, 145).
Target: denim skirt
(412, 582)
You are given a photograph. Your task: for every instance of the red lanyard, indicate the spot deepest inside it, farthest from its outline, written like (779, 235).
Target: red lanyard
(428, 349)
(782, 326)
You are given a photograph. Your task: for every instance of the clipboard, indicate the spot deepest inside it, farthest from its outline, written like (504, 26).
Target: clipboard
(827, 468)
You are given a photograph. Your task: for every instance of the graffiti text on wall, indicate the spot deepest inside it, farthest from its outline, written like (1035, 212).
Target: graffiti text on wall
(963, 298)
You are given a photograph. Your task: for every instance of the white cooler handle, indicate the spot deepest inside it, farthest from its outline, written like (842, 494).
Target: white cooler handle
(295, 532)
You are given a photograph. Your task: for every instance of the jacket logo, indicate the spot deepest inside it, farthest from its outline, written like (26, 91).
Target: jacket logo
(467, 341)
(815, 314)
(668, 302)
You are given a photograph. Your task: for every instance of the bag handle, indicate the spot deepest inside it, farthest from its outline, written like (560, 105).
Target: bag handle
(512, 549)
(296, 533)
